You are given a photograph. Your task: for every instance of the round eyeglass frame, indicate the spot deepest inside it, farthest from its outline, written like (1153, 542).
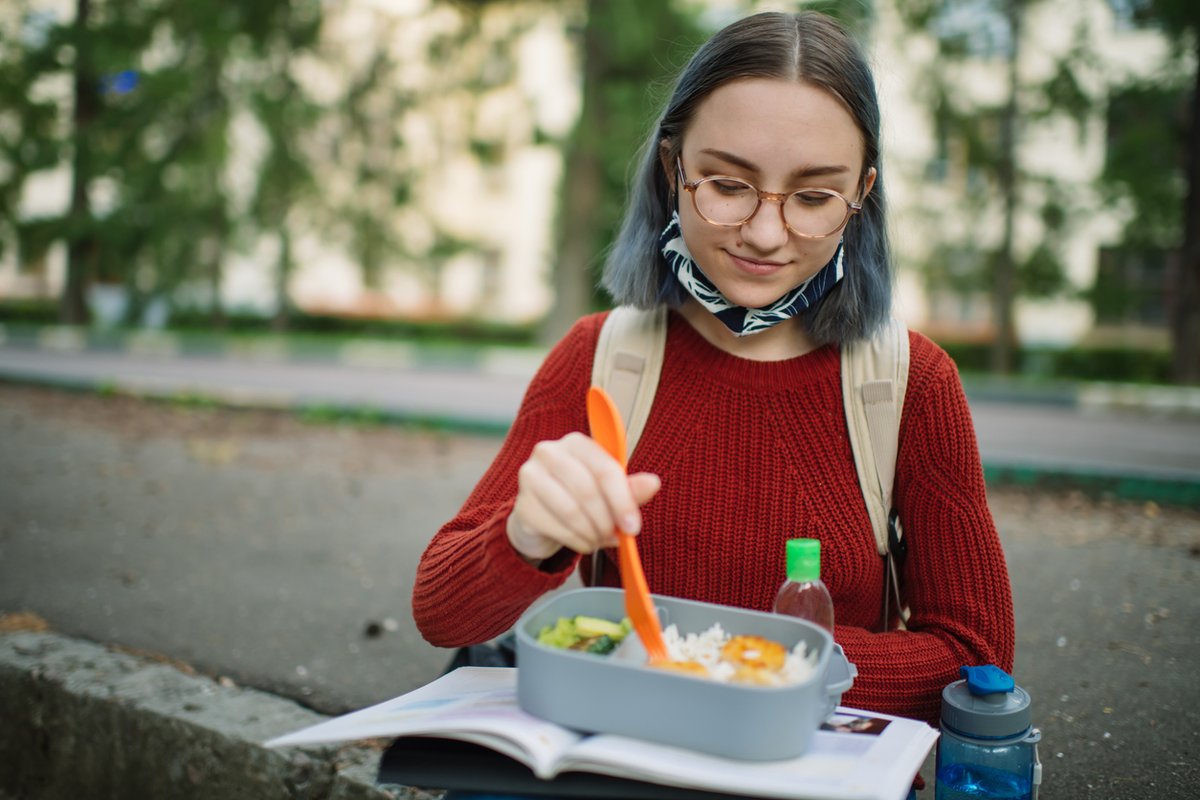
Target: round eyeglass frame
(852, 207)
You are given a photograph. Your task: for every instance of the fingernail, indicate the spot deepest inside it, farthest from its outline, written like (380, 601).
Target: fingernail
(631, 523)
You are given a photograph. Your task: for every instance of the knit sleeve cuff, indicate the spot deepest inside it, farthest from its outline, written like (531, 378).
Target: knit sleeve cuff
(501, 558)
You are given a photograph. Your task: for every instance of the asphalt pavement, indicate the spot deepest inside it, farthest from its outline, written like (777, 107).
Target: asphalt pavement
(279, 553)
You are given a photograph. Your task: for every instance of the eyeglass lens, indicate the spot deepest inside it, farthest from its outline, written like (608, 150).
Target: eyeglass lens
(730, 202)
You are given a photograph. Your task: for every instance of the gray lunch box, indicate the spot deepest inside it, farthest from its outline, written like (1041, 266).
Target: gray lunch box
(611, 694)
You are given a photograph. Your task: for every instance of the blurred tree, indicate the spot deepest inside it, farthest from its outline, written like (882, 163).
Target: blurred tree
(81, 238)
(985, 135)
(425, 107)
(1181, 20)
(629, 50)
(285, 191)
(1152, 170)
(30, 125)
(858, 17)
(1143, 180)
(153, 87)
(163, 143)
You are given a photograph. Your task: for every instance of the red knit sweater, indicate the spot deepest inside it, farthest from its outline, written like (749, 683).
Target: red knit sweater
(751, 454)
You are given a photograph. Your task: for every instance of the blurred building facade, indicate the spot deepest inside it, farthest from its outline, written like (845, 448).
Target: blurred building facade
(944, 210)
(461, 131)
(482, 135)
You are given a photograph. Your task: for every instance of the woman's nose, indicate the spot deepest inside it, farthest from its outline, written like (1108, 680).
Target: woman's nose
(765, 231)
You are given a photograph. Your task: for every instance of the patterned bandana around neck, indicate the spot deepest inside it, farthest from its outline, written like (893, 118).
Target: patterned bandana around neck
(740, 320)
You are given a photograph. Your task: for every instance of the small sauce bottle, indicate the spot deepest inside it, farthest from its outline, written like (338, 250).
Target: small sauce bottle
(803, 594)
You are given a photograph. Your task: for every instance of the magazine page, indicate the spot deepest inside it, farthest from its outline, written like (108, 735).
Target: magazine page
(856, 756)
(473, 704)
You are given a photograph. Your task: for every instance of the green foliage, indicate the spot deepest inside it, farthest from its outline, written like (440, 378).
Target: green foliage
(1130, 285)
(919, 14)
(1113, 364)
(965, 270)
(632, 50)
(1055, 215)
(1064, 94)
(194, 321)
(979, 144)
(30, 312)
(166, 78)
(1041, 274)
(464, 330)
(640, 47)
(961, 270)
(1116, 364)
(1178, 18)
(968, 356)
(365, 417)
(1144, 160)
(977, 130)
(858, 16)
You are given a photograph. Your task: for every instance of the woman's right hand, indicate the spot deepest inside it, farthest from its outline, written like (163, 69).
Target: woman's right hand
(571, 493)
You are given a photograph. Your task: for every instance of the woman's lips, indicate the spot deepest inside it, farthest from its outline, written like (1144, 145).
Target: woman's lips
(755, 266)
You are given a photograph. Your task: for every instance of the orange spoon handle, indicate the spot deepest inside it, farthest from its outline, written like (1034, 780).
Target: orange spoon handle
(609, 431)
(638, 604)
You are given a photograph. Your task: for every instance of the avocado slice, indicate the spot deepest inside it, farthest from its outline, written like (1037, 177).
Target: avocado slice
(594, 626)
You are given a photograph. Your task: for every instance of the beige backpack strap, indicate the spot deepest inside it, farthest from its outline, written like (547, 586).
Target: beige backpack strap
(874, 380)
(628, 362)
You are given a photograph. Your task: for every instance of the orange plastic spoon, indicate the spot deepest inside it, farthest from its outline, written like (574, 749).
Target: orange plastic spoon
(609, 431)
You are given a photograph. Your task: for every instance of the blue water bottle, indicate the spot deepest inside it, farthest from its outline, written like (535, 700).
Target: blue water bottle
(988, 748)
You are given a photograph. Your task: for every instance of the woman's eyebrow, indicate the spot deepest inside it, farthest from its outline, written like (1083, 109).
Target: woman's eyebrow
(803, 172)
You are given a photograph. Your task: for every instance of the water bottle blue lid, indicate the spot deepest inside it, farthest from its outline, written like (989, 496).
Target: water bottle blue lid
(986, 704)
(987, 679)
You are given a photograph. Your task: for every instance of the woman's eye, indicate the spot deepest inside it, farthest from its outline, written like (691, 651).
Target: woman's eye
(811, 198)
(732, 187)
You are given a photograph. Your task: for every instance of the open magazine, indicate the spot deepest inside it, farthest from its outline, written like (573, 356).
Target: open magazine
(856, 755)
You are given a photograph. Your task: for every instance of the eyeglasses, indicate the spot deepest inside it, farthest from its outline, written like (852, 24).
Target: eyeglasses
(730, 202)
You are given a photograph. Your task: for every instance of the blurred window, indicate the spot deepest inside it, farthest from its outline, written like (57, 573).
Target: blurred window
(1144, 175)
(1133, 286)
(956, 287)
(36, 26)
(975, 28)
(967, 146)
(1132, 14)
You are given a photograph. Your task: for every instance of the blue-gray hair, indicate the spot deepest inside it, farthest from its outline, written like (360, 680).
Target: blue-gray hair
(809, 47)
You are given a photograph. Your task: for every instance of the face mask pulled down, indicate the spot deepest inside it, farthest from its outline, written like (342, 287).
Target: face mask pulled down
(742, 321)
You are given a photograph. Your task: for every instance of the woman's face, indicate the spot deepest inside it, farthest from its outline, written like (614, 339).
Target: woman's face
(781, 136)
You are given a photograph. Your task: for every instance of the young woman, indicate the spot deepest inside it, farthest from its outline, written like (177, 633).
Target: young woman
(757, 217)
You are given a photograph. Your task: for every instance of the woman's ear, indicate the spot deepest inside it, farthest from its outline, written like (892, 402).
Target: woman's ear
(868, 183)
(667, 162)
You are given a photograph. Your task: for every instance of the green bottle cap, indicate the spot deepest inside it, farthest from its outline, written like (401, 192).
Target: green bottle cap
(803, 560)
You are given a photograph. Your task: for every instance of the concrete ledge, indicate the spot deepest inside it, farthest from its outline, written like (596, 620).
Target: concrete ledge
(80, 720)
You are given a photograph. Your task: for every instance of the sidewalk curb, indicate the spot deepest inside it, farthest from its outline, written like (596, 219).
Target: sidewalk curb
(1163, 489)
(82, 720)
(1166, 489)
(510, 362)
(278, 401)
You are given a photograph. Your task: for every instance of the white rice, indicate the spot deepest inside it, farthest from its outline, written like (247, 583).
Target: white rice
(705, 648)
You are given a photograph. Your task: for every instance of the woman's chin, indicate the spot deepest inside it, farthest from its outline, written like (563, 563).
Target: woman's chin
(758, 293)
(753, 299)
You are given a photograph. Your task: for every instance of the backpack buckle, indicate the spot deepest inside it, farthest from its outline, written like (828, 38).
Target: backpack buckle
(897, 544)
